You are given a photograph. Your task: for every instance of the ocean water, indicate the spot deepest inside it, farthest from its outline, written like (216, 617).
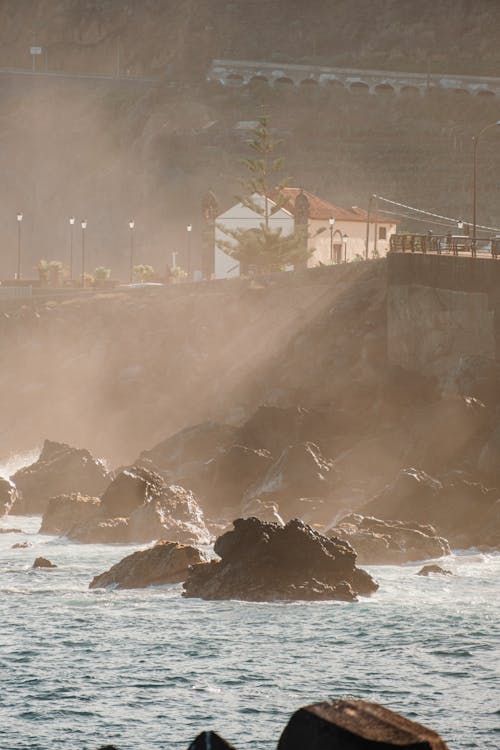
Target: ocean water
(147, 669)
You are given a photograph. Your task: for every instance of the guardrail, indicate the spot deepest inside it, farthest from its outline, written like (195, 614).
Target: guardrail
(448, 244)
(15, 292)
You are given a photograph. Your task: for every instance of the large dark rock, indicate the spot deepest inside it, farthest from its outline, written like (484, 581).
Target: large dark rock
(300, 471)
(66, 511)
(166, 562)
(210, 740)
(378, 542)
(263, 561)
(8, 496)
(355, 725)
(42, 562)
(130, 489)
(60, 470)
(463, 511)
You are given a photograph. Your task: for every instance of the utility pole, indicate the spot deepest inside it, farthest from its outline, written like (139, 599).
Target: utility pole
(368, 219)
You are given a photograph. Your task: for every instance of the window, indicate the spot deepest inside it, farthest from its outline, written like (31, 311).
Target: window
(382, 233)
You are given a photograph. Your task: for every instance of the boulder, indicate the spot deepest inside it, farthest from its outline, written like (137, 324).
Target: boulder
(66, 511)
(166, 562)
(60, 470)
(263, 561)
(355, 725)
(22, 545)
(300, 471)
(463, 511)
(428, 569)
(8, 495)
(130, 489)
(42, 562)
(199, 443)
(378, 542)
(175, 515)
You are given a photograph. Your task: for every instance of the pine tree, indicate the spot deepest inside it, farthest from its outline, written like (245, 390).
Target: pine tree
(264, 248)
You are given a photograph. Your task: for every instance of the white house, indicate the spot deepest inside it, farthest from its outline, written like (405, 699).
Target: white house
(336, 235)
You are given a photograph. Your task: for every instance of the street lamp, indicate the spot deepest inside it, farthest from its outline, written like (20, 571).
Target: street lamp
(345, 237)
(84, 227)
(19, 222)
(460, 224)
(474, 209)
(131, 226)
(189, 230)
(71, 225)
(331, 221)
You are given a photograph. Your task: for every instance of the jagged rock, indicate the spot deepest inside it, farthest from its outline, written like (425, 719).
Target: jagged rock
(130, 489)
(210, 740)
(101, 531)
(8, 496)
(22, 545)
(263, 561)
(175, 515)
(378, 542)
(60, 470)
(463, 511)
(42, 562)
(66, 511)
(428, 569)
(199, 443)
(300, 471)
(234, 471)
(264, 510)
(355, 725)
(166, 562)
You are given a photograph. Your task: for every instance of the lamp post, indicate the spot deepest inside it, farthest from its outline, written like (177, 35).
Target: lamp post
(19, 222)
(131, 226)
(331, 222)
(460, 224)
(475, 140)
(71, 225)
(345, 237)
(189, 230)
(84, 227)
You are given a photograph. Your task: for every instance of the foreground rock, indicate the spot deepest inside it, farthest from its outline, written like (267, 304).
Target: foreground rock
(42, 562)
(264, 561)
(166, 562)
(8, 496)
(463, 511)
(378, 542)
(60, 470)
(428, 569)
(355, 725)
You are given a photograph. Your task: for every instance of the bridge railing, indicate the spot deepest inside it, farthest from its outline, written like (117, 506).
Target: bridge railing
(448, 244)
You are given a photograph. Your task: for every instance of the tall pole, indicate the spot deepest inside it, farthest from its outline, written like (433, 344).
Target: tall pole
(131, 225)
(84, 227)
(375, 240)
(189, 231)
(475, 141)
(71, 226)
(368, 218)
(345, 238)
(331, 221)
(19, 222)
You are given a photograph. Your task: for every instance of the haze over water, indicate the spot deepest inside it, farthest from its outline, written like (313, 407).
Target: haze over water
(148, 669)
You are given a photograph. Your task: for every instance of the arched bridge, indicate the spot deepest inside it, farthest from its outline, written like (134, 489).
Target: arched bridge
(236, 73)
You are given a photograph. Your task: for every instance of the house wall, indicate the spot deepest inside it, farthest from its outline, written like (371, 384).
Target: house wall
(356, 238)
(242, 217)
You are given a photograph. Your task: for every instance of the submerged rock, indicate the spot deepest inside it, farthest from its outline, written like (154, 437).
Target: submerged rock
(380, 542)
(355, 725)
(60, 470)
(8, 496)
(428, 569)
(263, 561)
(42, 562)
(166, 562)
(66, 511)
(22, 545)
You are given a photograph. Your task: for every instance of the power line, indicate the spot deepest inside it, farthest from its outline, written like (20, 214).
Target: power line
(415, 218)
(429, 213)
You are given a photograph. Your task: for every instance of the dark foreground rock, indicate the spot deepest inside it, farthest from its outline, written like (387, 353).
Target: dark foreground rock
(264, 562)
(378, 542)
(166, 562)
(210, 740)
(355, 725)
(428, 569)
(8, 496)
(42, 562)
(60, 470)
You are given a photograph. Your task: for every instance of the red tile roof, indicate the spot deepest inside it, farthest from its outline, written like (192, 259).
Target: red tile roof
(323, 210)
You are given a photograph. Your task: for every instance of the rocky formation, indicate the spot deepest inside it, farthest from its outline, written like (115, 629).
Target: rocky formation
(428, 569)
(42, 562)
(463, 511)
(66, 511)
(8, 496)
(210, 740)
(59, 470)
(166, 562)
(22, 545)
(263, 562)
(130, 489)
(378, 542)
(234, 471)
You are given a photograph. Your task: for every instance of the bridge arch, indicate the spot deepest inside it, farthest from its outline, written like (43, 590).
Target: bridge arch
(333, 84)
(283, 81)
(409, 91)
(359, 87)
(309, 82)
(384, 89)
(485, 93)
(258, 80)
(234, 79)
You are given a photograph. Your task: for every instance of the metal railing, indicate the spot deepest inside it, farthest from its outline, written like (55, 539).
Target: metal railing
(447, 244)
